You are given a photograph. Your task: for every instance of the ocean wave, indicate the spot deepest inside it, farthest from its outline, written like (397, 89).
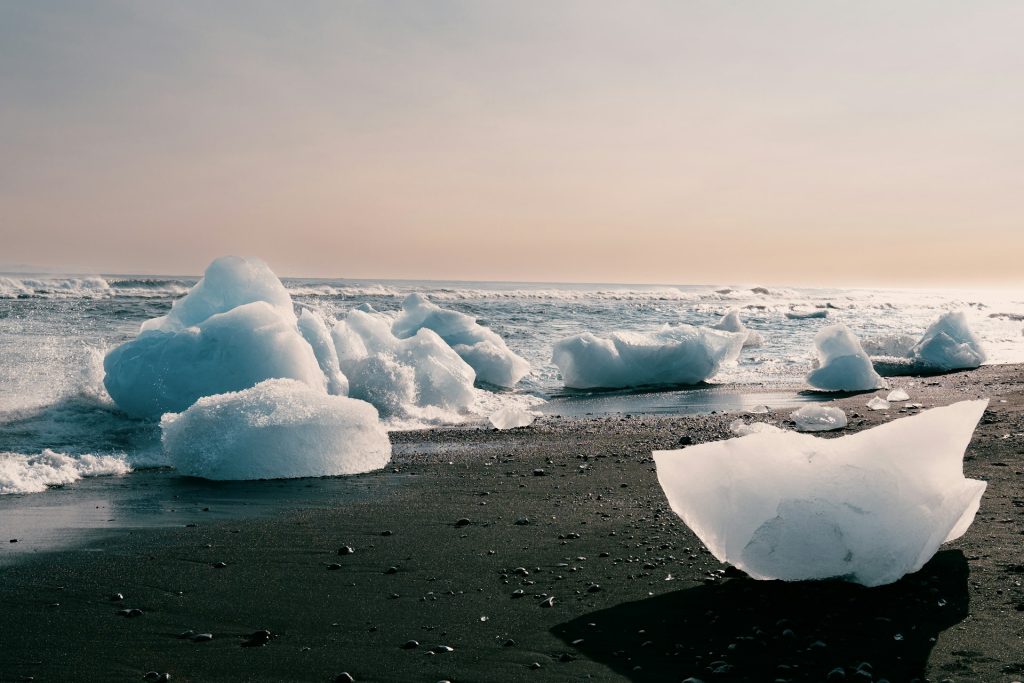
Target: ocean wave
(20, 473)
(89, 287)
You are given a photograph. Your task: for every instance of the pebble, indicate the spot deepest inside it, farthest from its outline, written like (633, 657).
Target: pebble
(462, 522)
(386, 532)
(257, 639)
(156, 676)
(346, 550)
(391, 570)
(522, 521)
(344, 677)
(535, 666)
(548, 602)
(129, 613)
(333, 565)
(219, 565)
(116, 597)
(539, 472)
(442, 649)
(410, 645)
(201, 637)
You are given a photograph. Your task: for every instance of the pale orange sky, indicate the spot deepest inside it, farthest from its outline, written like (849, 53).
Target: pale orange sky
(816, 142)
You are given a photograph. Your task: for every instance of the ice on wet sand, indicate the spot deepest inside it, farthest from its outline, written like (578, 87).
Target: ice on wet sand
(818, 418)
(868, 508)
(949, 344)
(511, 417)
(841, 364)
(278, 429)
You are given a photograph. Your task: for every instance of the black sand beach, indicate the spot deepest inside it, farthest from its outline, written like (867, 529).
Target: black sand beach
(458, 548)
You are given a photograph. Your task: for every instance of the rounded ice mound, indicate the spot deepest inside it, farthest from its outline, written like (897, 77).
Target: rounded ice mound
(229, 282)
(868, 508)
(841, 363)
(675, 355)
(949, 344)
(814, 418)
(159, 372)
(731, 322)
(484, 350)
(278, 429)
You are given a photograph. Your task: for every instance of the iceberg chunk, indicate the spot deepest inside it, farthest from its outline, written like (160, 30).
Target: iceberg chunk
(949, 344)
(675, 355)
(229, 282)
(166, 371)
(485, 351)
(314, 331)
(401, 377)
(841, 363)
(511, 417)
(868, 508)
(731, 322)
(278, 429)
(815, 418)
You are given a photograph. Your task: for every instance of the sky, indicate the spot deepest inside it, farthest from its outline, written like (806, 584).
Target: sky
(820, 142)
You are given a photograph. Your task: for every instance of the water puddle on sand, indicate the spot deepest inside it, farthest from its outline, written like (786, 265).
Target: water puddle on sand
(697, 401)
(75, 516)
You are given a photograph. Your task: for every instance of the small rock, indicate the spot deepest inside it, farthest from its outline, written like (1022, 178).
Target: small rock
(344, 677)
(346, 550)
(386, 532)
(539, 472)
(410, 645)
(442, 649)
(219, 565)
(462, 522)
(116, 597)
(391, 570)
(548, 602)
(333, 566)
(130, 613)
(201, 637)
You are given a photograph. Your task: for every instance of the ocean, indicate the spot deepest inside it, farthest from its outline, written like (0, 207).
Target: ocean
(54, 331)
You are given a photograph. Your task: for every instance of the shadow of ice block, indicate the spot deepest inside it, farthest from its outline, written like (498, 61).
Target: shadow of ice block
(867, 508)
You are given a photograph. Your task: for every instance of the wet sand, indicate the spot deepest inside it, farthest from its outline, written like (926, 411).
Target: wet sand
(567, 508)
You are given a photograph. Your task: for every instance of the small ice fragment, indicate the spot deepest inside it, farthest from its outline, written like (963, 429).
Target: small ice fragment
(897, 395)
(731, 322)
(741, 428)
(817, 418)
(511, 417)
(878, 403)
(759, 410)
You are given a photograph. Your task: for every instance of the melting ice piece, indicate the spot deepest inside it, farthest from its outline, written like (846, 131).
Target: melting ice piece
(166, 371)
(841, 364)
(314, 331)
(798, 314)
(235, 328)
(759, 410)
(815, 418)
(511, 417)
(680, 354)
(949, 344)
(741, 428)
(278, 429)
(401, 377)
(878, 403)
(868, 508)
(897, 395)
(482, 348)
(229, 282)
(731, 322)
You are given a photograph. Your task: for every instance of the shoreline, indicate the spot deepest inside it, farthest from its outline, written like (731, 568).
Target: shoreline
(598, 495)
